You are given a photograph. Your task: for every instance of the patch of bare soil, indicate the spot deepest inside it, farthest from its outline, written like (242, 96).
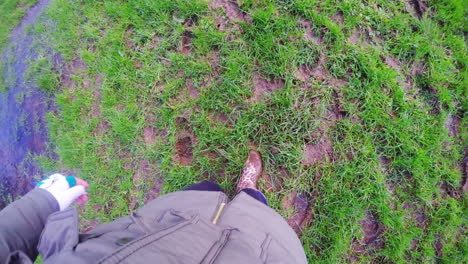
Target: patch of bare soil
(76, 66)
(372, 38)
(464, 170)
(231, 9)
(409, 84)
(407, 80)
(138, 64)
(154, 42)
(357, 38)
(319, 72)
(184, 149)
(219, 117)
(366, 37)
(96, 87)
(384, 162)
(149, 135)
(303, 73)
(128, 35)
(213, 59)
(145, 174)
(322, 150)
(308, 32)
(416, 7)
(315, 153)
(417, 214)
(338, 18)
(302, 211)
(417, 68)
(212, 155)
(102, 128)
(187, 93)
(452, 124)
(426, 92)
(214, 176)
(184, 143)
(272, 184)
(192, 90)
(221, 23)
(336, 111)
(447, 189)
(393, 63)
(438, 246)
(262, 87)
(187, 37)
(186, 44)
(284, 172)
(430, 97)
(372, 240)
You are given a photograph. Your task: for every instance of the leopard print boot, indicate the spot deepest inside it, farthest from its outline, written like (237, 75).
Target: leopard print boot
(251, 171)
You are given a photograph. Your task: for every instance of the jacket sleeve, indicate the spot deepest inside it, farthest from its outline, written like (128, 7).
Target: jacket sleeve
(22, 222)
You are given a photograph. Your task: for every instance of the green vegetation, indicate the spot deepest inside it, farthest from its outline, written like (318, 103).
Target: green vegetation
(11, 13)
(44, 76)
(375, 91)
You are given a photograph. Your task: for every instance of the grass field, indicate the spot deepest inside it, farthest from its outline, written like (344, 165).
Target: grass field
(358, 107)
(11, 12)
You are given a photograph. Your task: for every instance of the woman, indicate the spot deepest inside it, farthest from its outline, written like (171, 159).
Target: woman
(195, 225)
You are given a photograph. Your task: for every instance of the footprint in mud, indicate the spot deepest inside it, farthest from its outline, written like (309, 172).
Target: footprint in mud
(184, 144)
(263, 87)
(372, 240)
(302, 215)
(184, 149)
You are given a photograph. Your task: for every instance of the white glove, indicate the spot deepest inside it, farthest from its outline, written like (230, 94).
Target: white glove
(65, 189)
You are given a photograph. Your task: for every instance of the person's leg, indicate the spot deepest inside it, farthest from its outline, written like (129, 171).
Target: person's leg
(250, 174)
(204, 186)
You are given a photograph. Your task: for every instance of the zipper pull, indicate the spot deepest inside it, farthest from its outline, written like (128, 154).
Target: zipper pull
(218, 213)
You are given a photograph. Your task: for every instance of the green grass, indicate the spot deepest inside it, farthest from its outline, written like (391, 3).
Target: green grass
(381, 118)
(11, 13)
(43, 75)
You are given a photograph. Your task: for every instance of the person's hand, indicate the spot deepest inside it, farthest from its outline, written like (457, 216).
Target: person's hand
(65, 190)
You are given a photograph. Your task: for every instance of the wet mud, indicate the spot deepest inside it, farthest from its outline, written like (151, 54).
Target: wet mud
(301, 206)
(263, 87)
(185, 142)
(23, 106)
(417, 7)
(231, 9)
(372, 239)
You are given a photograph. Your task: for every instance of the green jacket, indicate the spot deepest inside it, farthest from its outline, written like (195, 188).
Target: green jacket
(174, 228)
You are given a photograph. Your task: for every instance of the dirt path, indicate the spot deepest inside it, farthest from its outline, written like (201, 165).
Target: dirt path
(23, 128)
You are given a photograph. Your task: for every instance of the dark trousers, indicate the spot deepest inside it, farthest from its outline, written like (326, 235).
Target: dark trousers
(214, 187)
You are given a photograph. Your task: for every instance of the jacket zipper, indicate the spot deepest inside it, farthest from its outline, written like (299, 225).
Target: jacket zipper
(217, 247)
(218, 213)
(220, 210)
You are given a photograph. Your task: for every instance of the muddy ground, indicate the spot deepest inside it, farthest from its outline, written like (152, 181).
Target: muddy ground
(23, 106)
